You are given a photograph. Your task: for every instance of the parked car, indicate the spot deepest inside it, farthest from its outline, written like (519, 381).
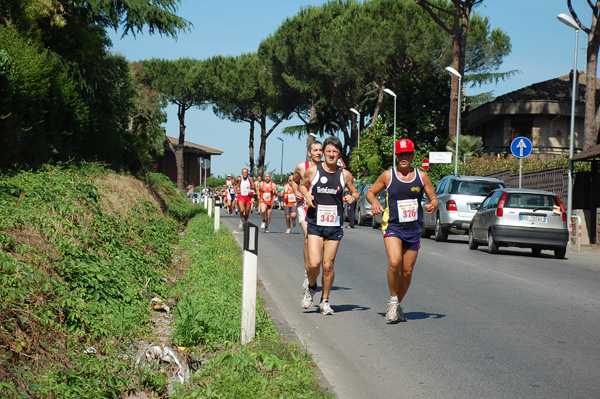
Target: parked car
(377, 219)
(523, 218)
(459, 197)
(363, 207)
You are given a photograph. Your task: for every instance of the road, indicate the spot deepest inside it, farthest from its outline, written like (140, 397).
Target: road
(479, 325)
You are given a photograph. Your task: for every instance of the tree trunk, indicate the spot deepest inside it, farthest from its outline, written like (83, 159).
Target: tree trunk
(590, 124)
(251, 149)
(313, 115)
(263, 145)
(179, 149)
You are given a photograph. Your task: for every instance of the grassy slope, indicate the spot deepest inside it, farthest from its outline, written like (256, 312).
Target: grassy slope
(82, 251)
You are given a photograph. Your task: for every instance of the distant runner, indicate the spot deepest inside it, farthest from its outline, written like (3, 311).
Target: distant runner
(267, 193)
(230, 188)
(290, 209)
(244, 198)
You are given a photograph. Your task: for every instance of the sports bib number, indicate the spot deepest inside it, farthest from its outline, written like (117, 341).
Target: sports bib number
(327, 215)
(266, 196)
(245, 191)
(232, 190)
(291, 198)
(407, 210)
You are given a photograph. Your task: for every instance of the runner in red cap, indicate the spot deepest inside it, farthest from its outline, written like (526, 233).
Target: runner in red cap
(402, 221)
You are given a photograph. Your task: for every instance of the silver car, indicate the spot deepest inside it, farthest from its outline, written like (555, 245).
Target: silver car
(523, 218)
(363, 207)
(459, 197)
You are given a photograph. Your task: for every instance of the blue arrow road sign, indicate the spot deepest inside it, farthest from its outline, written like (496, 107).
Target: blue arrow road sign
(521, 147)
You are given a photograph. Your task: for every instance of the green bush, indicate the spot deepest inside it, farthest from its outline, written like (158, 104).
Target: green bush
(82, 250)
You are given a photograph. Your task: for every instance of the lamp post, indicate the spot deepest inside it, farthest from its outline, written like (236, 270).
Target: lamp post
(358, 127)
(565, 19)
(281, 167)
(391, 93)
(458, 75)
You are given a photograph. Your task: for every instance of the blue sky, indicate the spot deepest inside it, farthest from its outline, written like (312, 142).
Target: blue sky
(542, 49)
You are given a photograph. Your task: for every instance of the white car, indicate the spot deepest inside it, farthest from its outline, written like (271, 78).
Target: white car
(523, 218)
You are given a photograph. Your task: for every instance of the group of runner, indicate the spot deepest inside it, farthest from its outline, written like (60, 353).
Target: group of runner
(322, 185)
(319, 187)
(244, 195)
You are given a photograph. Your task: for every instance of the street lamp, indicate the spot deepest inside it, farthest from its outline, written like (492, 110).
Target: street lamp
(565, 19)
(391, 93)
(458, 75)
(281, 167)
(358, 126)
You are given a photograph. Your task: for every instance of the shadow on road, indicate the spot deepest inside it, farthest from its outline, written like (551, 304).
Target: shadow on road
(347, 308)
(419, 315)
(422, 315)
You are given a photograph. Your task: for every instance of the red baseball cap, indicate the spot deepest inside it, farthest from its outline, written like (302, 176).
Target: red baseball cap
(404, 145)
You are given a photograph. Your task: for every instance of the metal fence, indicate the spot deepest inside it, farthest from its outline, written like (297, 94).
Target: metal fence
(554, 180)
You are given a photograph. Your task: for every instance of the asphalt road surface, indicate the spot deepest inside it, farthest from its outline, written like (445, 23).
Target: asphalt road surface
(479, 326)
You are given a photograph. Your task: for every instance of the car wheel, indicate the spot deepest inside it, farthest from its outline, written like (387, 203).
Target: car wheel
(361, 219)
(492, 246)
(536, 251)
(559, 253)
(440, 234)
(472, 243)
(426, 233)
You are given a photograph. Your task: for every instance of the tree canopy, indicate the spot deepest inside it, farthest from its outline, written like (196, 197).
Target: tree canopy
(63, 95)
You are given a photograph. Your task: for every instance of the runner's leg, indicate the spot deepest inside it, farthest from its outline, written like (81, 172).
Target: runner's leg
(330, 248)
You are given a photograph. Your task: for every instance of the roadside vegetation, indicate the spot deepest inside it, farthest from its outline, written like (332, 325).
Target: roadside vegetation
(83, 250)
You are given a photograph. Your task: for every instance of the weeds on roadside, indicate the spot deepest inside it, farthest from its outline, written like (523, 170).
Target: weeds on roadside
(208, 318)
(82, 250)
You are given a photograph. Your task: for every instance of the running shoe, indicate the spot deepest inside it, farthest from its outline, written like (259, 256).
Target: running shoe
(324, 307)
(307, 299)
(392, 311)
(267, 230)
(288, 231)
(241, 225)
(262, 225)
(401, 316)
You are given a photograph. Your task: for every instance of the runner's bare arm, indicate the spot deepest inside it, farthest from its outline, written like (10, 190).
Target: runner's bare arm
(353, 196)
(296, 178)
(303, 187)
(380, 184)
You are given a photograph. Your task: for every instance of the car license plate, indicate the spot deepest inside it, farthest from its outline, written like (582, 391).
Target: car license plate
(533, 218)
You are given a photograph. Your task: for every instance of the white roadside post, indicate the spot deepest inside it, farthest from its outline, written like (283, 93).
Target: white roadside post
(249, 281)
(210, 206)
(217, 216)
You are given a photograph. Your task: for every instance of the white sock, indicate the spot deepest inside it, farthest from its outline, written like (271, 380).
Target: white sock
(394, 299)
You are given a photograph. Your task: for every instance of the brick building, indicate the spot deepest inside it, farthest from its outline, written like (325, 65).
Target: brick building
(193, 173)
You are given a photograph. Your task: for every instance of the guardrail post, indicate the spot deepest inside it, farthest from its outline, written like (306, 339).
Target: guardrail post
(210, 207)
(249, 281)
(217, 216)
